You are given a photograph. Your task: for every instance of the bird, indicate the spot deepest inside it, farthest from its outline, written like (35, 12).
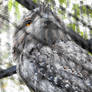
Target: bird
(47, 59)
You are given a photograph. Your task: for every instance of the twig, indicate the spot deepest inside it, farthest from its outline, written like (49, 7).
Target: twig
(8, 72)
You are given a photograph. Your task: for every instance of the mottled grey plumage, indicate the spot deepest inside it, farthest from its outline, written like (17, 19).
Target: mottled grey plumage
(47, 59)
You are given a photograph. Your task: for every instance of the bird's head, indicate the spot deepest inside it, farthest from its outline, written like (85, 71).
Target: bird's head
(42, 24)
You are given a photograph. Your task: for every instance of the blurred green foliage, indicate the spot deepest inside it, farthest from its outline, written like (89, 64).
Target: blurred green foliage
(14, 4)
(72, 25)
(10, 5)
(62, 1)
(17, 12)
(35, 1)
(77, 9)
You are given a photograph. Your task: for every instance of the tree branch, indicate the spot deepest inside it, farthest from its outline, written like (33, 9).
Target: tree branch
(85, 44)
(8, 72)
(29, 4)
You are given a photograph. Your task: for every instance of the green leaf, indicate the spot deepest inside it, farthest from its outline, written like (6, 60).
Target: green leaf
(76, 7)
(73, 26)
(90, 53)
(62, 1)
(84, 10)
(85, 36)
(90, 14)
(49, 0)
(59, 11)
(90, 31)
(82, 34)
(10, 4)
(78, 30)
(17, 12)
(35, 1)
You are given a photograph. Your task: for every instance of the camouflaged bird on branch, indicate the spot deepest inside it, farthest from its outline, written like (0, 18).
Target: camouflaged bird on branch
(47, 58)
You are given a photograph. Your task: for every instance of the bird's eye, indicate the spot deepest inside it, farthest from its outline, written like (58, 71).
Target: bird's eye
(28, 23)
